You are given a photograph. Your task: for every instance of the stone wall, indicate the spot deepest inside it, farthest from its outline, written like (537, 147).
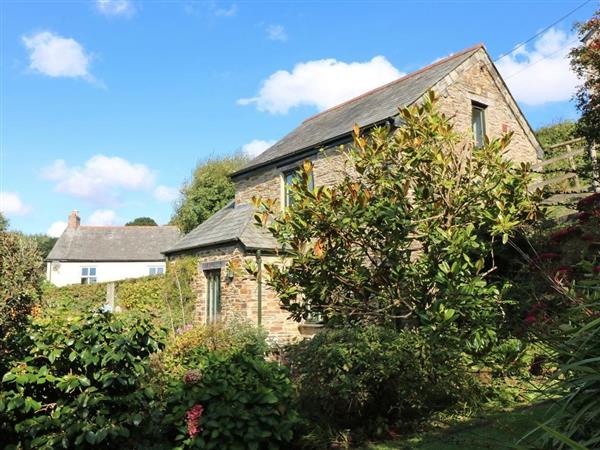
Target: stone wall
(239, 294)
(329, 166)
(476, 81)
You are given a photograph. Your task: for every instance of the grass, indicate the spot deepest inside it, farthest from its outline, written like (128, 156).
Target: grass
(498, 430)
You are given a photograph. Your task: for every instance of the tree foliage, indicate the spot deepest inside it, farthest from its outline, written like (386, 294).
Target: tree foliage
(408, 237)
(141, 221)
(556, 133)
(585, 61)
(3, 222)
(209, 190)
(43, 242)
(20, 278)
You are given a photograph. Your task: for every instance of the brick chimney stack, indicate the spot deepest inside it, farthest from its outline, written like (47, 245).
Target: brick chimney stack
(74, 220)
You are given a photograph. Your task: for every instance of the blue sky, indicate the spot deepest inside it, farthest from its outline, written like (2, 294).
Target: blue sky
(107, 105)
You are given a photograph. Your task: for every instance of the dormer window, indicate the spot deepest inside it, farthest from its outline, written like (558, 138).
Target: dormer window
(478, 123)
(288, 179)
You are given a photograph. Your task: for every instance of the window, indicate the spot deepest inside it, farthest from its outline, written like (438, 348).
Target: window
(157, 270)
(478, 122)
(288, 178)
(88, 275)
(213, 295)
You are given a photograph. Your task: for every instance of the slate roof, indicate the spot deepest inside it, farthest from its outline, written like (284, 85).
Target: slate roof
(367, 109)
(133, 243)
(232, 224)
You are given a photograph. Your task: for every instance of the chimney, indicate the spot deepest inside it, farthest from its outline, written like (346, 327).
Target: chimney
(74, 220)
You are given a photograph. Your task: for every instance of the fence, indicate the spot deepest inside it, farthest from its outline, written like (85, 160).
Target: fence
(563, 169)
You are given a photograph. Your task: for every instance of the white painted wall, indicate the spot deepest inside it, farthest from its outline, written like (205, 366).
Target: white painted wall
(63, 273)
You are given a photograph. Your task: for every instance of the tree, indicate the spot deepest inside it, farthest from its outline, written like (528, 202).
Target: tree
(585, 61)
(209, 190)
(3, 222)
(408, 238)
(555, 133)
(20, 277)
(43, 242)
(141, 221)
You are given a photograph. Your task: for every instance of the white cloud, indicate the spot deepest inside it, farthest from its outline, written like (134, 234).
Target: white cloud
(322, 83)
(101, 179)
(56, 229)
(276, 33)
(115, 7)
(541, 74)
(56, 56)
(11, 204)
(256, 147)
(103, 217)
(165, 194)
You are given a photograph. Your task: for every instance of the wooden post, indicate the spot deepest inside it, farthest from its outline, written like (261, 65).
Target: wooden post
(573, 168)
(110, 297)
(595, 169)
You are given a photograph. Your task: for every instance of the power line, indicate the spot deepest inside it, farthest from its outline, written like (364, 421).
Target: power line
(543, 31)
(528, 66)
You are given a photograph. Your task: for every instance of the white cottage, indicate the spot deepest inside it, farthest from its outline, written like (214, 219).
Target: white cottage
(92, 254)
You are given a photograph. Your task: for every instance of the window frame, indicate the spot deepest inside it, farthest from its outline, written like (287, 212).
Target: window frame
(158, 270)
(213, 295)
(289, 175)
(479, 140)
(86, 275)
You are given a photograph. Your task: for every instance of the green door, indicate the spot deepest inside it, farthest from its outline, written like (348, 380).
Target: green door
(213, 295)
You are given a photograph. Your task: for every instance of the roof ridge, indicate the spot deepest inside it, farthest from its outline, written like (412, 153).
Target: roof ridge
(409, 75)
(126, 226)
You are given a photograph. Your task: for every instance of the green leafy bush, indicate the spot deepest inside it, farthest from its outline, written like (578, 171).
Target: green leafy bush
(70, 301)
(144, 296)
(20, 278)
(232, 401)
(367, 379)
(184, 350)
(166, 299)
(81, 384)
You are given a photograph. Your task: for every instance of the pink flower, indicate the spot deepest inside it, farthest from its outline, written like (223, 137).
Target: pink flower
(193, 418)
(597, 269)
(192, 376)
